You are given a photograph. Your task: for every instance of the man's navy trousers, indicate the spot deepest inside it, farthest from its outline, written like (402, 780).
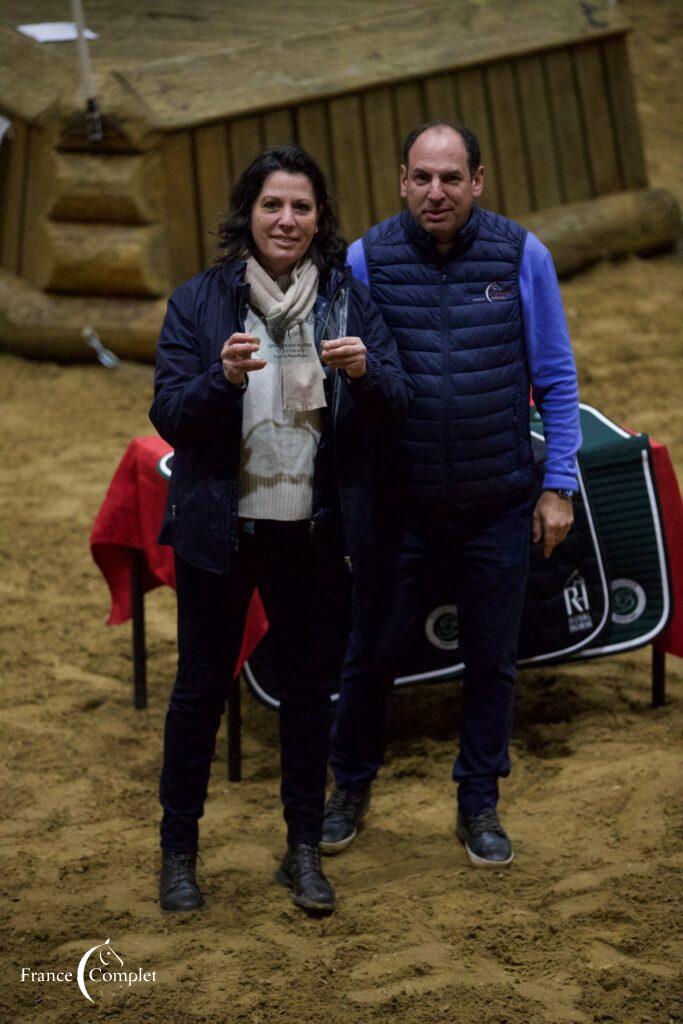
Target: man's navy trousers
(485, 553)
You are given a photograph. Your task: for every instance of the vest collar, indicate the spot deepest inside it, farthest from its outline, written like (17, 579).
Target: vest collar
(423, 241)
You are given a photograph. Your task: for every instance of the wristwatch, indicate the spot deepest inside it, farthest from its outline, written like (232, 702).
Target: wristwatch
(563, 492)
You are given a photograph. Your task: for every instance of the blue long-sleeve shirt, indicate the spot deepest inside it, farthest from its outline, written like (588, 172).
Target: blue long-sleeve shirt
(549, 356)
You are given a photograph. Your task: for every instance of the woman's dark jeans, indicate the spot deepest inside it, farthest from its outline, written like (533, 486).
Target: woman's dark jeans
(286, 563)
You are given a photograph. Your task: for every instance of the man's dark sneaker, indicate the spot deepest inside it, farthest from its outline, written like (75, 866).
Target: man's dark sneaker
(484, 838)
(302, 872)
(344, 812)
(178, 889)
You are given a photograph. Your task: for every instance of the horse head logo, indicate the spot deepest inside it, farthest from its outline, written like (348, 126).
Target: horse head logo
(107, 956)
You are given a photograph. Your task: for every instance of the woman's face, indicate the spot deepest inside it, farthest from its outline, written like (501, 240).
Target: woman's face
(283, 221)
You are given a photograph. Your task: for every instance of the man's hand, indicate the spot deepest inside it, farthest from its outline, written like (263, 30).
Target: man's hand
(346, 354)
(552, 519)
(236, 357)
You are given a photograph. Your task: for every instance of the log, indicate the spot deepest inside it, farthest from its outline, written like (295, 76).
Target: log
(102, 259)
(109, 189)
(577, 234)
(125, 121)
(39, 325)
(31, 75)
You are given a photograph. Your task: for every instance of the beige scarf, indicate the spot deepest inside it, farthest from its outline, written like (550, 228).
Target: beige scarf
(285, 315)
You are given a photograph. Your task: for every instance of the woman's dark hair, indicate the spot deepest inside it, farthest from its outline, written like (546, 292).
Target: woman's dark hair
(328, 248)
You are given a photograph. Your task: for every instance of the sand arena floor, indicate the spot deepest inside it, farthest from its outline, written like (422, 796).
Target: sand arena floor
(581, 929)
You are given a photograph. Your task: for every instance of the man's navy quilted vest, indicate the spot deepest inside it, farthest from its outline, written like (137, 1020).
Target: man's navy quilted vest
(457, 320)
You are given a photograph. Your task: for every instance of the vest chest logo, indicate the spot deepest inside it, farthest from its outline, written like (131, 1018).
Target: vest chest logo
(496, 292)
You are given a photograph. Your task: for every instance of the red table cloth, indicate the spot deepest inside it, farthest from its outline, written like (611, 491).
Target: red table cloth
(130, 517)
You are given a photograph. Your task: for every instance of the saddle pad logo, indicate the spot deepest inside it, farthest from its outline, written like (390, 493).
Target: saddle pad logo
(577, 605)
(441, 627)
(629, 601)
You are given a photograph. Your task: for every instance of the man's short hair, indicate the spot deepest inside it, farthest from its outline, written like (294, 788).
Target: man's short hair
(466, 134)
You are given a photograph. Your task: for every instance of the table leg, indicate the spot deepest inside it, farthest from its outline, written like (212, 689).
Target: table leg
(658, 677)
(137, 596)
(234, 719)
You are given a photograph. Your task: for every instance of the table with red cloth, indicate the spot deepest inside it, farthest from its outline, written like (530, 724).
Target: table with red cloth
(130, 517)
(124, 546)
(670, 641)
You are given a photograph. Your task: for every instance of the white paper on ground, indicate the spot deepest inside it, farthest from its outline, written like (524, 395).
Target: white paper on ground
(54, 31)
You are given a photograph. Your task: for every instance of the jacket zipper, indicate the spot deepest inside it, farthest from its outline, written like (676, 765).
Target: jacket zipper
(230, 530)
(445, 354)
(339, 289)
(336, 398)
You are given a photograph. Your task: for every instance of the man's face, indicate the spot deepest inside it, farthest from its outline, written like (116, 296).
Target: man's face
(437, 184)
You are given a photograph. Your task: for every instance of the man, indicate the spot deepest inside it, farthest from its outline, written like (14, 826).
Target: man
(474, 304)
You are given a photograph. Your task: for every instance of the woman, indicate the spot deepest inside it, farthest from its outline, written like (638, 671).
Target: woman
(272, 369)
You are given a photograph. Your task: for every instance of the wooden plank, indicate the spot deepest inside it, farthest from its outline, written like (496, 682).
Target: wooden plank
(471, 93)
(381, 147)
(246, 142)
(213, 182)
(568, 127)
(544, 171)
(600, 140)
(440, 98)
(182, 217)
(409, 108)
(350, 167)
(13, 198)
(509, 138)
(353, 48)
(40, 194)
(278, 127)
(624, 115)
(313, 134)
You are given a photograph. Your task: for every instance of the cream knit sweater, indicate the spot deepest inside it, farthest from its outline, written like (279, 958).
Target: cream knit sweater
(278, 445)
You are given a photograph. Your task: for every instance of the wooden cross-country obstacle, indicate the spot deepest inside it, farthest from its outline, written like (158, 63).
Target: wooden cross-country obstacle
(98, 234)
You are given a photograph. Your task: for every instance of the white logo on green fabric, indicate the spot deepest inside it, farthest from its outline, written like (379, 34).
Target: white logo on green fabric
(441, 627)
(629, 601)
(577, 604)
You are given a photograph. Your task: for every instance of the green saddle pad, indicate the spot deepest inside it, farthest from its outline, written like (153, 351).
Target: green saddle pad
(619, 484)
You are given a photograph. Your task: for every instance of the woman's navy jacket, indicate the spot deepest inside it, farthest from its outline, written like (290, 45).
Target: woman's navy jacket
(198, 411)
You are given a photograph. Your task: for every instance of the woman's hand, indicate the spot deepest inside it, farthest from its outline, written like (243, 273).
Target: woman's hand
(346, 354)
(236, 357)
